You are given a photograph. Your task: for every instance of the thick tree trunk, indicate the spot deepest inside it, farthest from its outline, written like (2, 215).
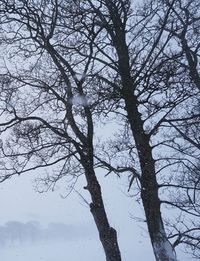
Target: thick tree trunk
(107, 234)
(149, 188)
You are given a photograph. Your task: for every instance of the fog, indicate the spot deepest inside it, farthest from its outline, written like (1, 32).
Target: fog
(15, 233)
(56, 241)
(57, 229)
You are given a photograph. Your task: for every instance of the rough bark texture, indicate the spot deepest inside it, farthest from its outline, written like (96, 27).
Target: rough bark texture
(107, 234)
(149, 187)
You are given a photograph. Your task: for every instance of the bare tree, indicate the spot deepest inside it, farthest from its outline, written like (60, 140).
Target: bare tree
(45, 110)
(150, 91)
(132, 73)
(136, 62)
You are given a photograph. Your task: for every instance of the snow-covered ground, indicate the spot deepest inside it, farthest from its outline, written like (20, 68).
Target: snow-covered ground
(19, 202)
(87, 250)
(53, 251)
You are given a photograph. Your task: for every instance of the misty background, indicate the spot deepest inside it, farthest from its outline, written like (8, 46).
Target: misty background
(48, 227)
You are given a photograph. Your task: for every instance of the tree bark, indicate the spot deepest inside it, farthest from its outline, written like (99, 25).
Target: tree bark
(162, 248)
(107, 234)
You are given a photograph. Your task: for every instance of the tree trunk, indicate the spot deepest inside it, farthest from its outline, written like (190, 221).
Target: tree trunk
(107, 234)
(162, 248)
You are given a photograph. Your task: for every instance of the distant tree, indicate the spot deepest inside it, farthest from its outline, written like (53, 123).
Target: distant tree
(32, 231)
(15, 232)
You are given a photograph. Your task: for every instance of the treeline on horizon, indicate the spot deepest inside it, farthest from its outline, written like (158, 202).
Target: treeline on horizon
(17, 233)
